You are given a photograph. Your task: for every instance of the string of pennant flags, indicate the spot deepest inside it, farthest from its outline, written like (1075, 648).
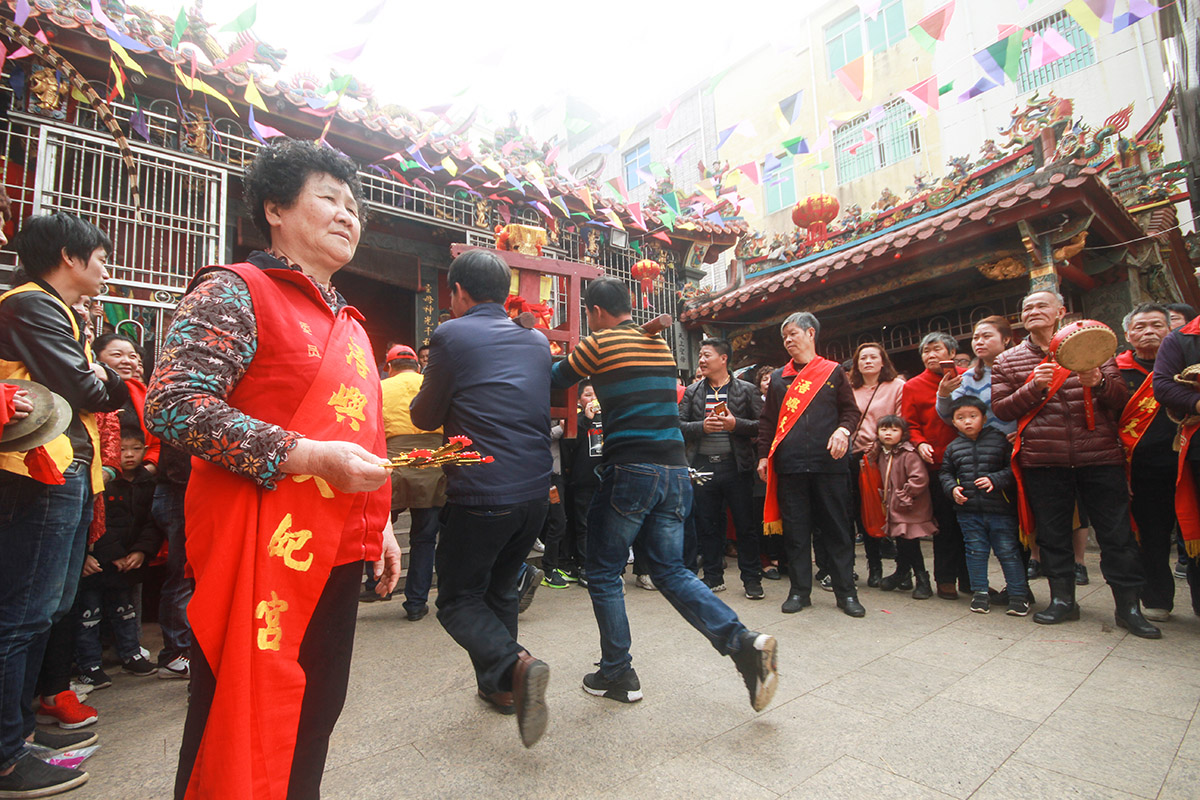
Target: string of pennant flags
(999, 63)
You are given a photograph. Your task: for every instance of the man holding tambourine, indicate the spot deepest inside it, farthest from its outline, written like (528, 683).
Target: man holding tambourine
(1068, 448)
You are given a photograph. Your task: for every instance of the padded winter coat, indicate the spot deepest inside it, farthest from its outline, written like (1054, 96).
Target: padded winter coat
(989, 456)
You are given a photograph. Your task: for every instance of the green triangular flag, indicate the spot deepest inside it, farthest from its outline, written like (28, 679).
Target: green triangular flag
(667, 218)
(244, 21)
(1007, 54)
(945, 88)
(922, 38)
(181, 23)
(672, 200)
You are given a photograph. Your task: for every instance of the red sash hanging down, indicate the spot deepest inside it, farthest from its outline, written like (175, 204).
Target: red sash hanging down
(804, 388)
(1187, 505)
(1024, 512)
(262, 558)
(1136, 418)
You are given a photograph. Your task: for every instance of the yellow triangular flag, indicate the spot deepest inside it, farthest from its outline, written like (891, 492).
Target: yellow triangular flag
(253, 97)
(125, 59)
(116, 71)
(494, 166)
(198, 85)
(450, 166)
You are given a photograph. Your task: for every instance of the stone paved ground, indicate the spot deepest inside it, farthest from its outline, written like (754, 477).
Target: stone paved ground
(917, 700)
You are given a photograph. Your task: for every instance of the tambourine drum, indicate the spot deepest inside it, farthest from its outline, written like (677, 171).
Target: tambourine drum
(1083, 345)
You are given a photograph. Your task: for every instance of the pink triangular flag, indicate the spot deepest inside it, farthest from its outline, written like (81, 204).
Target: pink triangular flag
(668, 113)
(750, 170)
(851, 76)
(24, 51)
(1004, 31)
(923, 97)
(1047, 47)
(869, 136)
(635, 213)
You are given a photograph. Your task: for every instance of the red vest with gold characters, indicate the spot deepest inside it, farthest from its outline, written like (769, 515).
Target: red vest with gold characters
(262, 557)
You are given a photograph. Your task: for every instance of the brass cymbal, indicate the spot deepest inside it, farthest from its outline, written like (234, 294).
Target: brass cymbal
(43, 407)
(53, 425)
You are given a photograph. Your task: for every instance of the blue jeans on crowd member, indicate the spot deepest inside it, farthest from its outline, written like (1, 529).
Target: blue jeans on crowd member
(647, 502)
(43, 536)
(115, 604)
(422, 544)
(996, 533)
(177, 588)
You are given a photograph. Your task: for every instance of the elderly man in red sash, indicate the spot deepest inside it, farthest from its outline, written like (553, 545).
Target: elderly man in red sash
(1147, 434)
(1067, 450)
(266, 377)
(803, 439)
(1176, 388)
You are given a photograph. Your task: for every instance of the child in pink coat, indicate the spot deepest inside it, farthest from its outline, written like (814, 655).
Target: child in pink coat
(907, 504)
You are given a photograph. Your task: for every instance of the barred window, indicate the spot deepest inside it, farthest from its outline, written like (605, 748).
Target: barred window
(897, 136)
(1084, 54)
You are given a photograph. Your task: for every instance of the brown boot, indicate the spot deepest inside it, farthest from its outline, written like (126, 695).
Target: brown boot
(529, 679)
(946, 591)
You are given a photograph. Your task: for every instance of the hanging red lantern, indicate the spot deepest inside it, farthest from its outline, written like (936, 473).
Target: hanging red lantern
(646, 272)
(814, 213)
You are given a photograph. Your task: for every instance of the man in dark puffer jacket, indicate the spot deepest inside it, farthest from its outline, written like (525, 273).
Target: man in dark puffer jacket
(1058, 459)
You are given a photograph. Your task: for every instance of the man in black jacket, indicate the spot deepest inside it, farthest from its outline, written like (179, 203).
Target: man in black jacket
(719, 418)
(46, 494)
(810, 471)
(489, 379)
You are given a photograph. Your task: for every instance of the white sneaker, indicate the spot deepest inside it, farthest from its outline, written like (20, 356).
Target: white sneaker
(1156, 614)
(537, 545)
(178, 667)
(81, 690)
(644, 582)
(630, 560)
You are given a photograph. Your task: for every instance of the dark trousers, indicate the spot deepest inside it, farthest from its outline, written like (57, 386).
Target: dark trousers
(727, 488)
(1102, 492)
(949, 559)
(479, 554)
(325, 658)
(422, 543)
(1153, 506)
(554, 530)
(909, 555)
(576, 548)
(812, 501)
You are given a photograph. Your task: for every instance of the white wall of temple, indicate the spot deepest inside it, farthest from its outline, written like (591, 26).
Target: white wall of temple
(1101, 77)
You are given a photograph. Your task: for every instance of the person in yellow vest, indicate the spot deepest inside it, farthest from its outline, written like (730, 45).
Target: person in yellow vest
(421, 491)
(46, 495)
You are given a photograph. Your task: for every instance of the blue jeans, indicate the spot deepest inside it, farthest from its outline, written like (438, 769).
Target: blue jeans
(647, 503)
(177, 588)
(43, 536)
(422, 544)
(997, 533)
(115, 604)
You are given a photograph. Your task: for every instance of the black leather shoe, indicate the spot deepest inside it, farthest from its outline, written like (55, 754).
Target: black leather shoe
(1081, 576)
(416, 614)
(795, 603)
(923, 590)
(874, 576)
(896, 580)
(851, 607)
(1062, 603)
(1129, 614)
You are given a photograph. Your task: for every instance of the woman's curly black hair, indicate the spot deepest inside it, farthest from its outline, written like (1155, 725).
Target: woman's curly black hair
(280, 170)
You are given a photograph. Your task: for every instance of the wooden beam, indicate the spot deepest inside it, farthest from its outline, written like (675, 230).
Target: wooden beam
(541, 264)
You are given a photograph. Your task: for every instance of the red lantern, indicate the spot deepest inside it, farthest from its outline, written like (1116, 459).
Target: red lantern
(646, 272)
(814, 213)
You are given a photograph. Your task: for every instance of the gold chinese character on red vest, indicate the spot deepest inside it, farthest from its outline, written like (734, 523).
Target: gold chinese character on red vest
(348, 403)
(285, 542)
(269, 611)
(357, 356)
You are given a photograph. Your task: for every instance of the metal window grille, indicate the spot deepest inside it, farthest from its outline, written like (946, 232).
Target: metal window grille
(897, 137)
(1083, 56)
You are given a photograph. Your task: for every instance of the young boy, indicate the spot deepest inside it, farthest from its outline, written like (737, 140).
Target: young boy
(977, 475)
(113, 569)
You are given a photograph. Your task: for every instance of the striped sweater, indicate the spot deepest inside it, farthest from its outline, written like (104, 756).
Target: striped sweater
(635, 377)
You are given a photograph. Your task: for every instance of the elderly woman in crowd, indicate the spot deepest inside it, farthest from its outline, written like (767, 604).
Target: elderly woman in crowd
(267, 378)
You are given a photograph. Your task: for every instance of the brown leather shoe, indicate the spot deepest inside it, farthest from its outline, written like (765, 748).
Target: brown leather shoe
(946, 591)
(529, 679)
(501, 701)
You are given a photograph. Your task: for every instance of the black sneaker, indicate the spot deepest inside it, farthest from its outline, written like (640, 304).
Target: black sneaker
(826, 583)
(95, 677)
(981, 603)
(1081, 576)
(714, 584)
(626, 689)
(754, 591)
(62, 742)
(1018, 606)
(527, 583)
(32, 777)
(555, 579)
(756, 661)
(139, 666)
(1181, 570)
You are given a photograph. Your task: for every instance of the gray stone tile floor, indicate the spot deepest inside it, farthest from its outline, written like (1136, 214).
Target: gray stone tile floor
(921, 699)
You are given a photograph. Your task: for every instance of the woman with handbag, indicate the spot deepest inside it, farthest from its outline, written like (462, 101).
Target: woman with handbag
(877, 389)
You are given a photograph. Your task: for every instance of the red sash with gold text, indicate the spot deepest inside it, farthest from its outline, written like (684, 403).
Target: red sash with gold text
(1140, 410)
(1024, 512)
(262, 557)
(1187, 505)
(804, 388)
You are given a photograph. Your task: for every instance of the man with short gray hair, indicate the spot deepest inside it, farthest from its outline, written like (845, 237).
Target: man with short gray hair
(803, 442)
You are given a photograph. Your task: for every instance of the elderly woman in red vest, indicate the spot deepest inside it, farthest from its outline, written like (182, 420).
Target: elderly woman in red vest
(266, 377)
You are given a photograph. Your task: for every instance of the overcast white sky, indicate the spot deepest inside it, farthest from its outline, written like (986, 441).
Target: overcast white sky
(613, 54)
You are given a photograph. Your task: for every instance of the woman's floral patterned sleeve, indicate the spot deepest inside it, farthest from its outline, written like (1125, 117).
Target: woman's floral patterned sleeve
(205, 353)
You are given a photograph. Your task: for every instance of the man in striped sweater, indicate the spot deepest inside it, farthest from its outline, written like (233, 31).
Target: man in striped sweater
(645, 494)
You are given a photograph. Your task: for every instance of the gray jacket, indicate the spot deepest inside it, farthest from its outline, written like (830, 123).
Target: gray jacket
(746, 406)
